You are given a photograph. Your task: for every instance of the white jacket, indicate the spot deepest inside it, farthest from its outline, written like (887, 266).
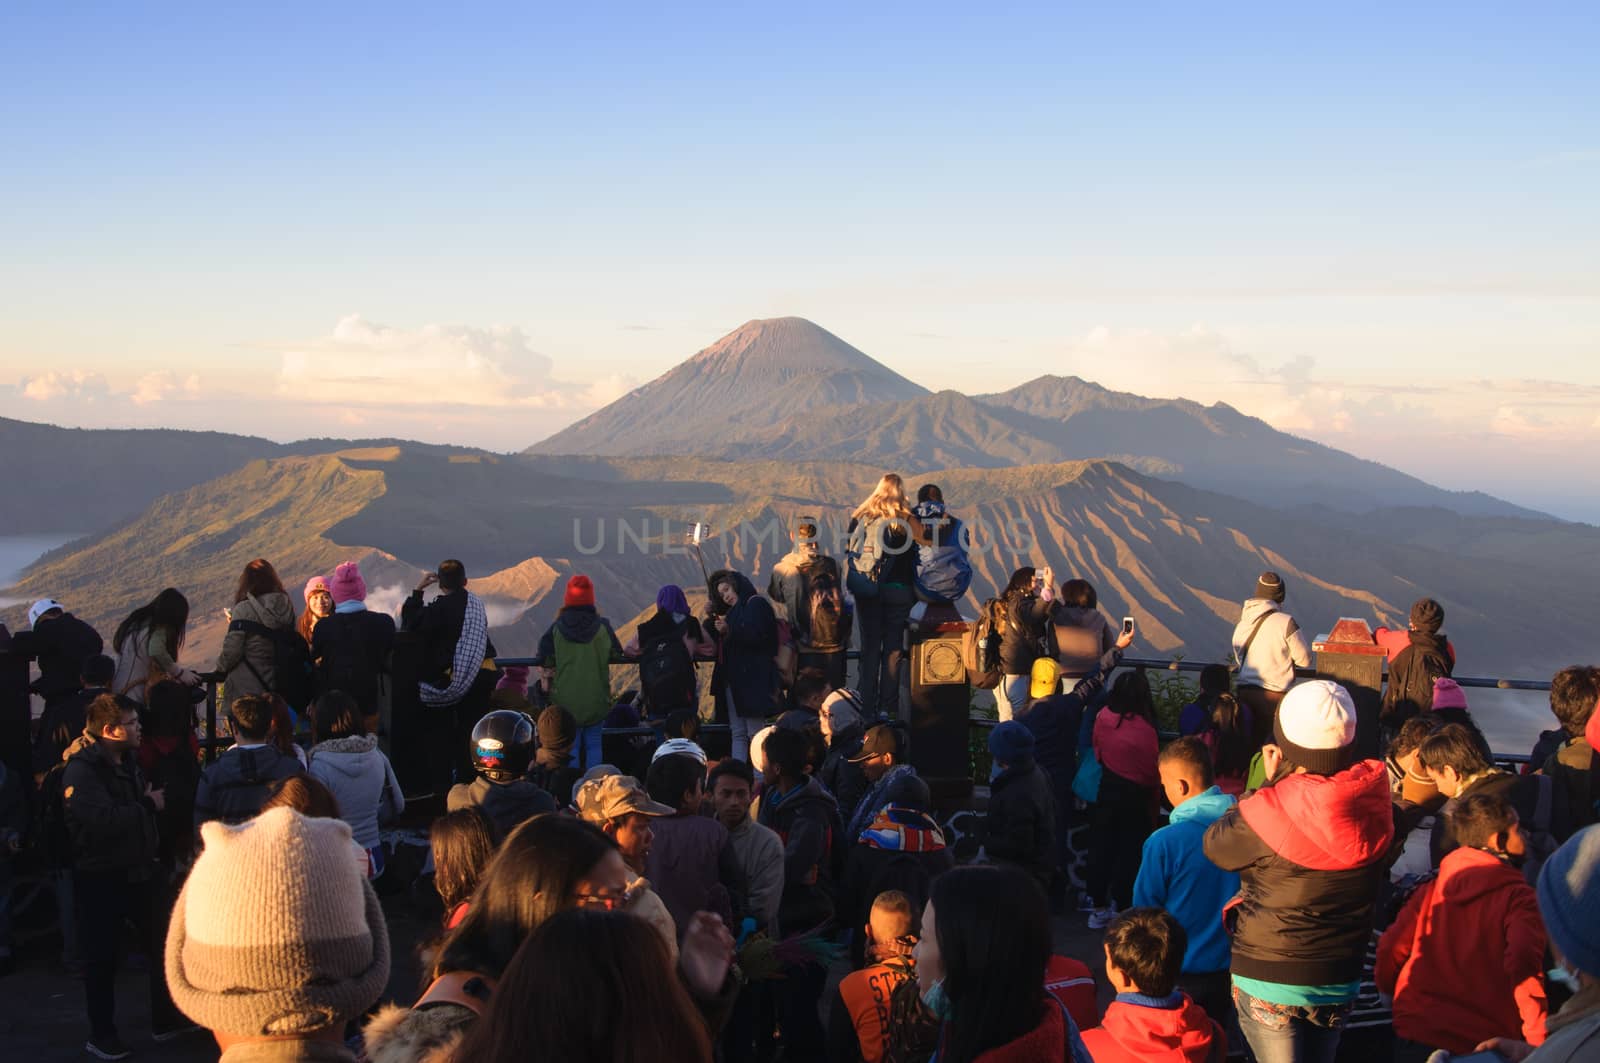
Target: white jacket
(362, 780)
(1279, 647)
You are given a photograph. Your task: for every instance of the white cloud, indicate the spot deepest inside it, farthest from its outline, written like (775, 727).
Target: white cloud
(154, 387)
(370, 364)
(76, 384)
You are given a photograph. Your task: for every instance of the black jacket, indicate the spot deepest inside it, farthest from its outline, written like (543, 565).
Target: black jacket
(61, 645)
(60, 725)
(807, 820)
(507, 804)
(439, 623)
(844, 780)
(1022, 635)
(351, 652)
(111, 820)
(234, 788)
(1020, 827)
(748, 670)
(1309, 850)
(1411, 676)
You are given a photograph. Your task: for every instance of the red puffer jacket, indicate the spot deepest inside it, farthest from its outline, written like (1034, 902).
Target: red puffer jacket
(1464, 960)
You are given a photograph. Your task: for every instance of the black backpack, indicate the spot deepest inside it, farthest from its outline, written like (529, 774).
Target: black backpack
(666, 672)
(291, 662)
(51, 832)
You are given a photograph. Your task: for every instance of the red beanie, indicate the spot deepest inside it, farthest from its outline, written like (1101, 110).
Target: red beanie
(579, 592)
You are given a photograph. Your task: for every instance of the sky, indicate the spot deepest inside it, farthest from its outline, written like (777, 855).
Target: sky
(1371, 225)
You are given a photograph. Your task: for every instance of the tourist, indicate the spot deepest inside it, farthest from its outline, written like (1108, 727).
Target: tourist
(348, 761)
(806, 582)
(863, 1018)
(1268, 646)
(576, 653)
(758, 849)
(352, 645)
(1084, 640)
(1309, 849)
(319, 606)
(746, 678)
(993, 1012)
(1215, 680)
(261, 614)
(1456, 763)
(1574, 692)
(667, 645)
(691, 865)
(552, 769)
(60, 643)
(624, 812)
(1151, 1019)
(169, 758)
(147, 644)
(1229, 738)
(276, 941)
(455, 671)
(882, 573)
(234, 785)
(1427, 656)
(1126, 745)
(60, 724)
(1020, 824)
(891, 779)
(502, 745)
(462, 843)
(1019, 615)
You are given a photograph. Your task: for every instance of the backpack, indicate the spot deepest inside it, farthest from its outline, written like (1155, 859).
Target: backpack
(51, 832)
(865, 560)
(666, 672)
(944, 571)
(787, 657)
(828, 625)
(348, 663)
(1410, 687)
(291, 662)
(980, 649)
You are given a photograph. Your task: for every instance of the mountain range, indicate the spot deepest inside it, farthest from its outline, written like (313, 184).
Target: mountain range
(774, 421)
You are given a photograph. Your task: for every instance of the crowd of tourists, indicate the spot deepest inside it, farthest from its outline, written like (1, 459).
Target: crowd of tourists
(797, 896)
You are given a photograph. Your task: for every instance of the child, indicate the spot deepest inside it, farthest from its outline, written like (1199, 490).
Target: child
(1176, 875)
(1463, 961)
(1229, 737)
(1151, 1019)
(1020, 826)
(861, 1025)
(1195, 717)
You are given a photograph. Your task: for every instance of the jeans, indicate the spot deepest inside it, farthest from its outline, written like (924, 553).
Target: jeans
(104, 899)
(586, 747)
(1011, 696)
(883, 647)
(741, 729)
(1290, 1033)
(66, 917)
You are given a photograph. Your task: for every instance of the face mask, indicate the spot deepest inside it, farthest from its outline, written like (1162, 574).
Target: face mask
(1560, 975)
(936, 1001)
(1516, 861)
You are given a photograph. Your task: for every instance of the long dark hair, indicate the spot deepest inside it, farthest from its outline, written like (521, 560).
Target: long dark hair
(258, 578)
(167, 611)
(531, 878)
(1130, 696)
(1235, 748)
(463, 843)
(992, 1003)
(1080, 594)
(590, 987)
(1021, 582)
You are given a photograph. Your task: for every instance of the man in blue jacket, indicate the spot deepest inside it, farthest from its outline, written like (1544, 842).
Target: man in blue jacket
(1175, 874)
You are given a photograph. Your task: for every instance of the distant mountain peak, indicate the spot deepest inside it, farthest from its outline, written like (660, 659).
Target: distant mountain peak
(791, 346)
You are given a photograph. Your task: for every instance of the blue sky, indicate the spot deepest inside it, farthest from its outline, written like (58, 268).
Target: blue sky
(1371, 224)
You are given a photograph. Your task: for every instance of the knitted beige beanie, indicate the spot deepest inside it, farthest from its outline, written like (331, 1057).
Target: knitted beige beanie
(276, 932)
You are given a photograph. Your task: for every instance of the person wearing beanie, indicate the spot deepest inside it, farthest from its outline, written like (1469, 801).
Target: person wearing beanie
(842, 729)
(667, 644)
(1427, 657)
(1450, 706)
(575, 655)
(1309, 848)
(1569, 891)
(1020, 826)
(277, 940)
(552, 761)
(1268, 646)
(319, 606)
(455, 656)
(351, 648)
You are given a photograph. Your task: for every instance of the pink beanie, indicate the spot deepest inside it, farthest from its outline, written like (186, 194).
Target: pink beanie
(315, 584)
(1447, 694)
(514, 677)
(347, 585)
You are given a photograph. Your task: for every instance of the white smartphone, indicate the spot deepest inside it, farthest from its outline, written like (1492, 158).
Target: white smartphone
(1127, 625)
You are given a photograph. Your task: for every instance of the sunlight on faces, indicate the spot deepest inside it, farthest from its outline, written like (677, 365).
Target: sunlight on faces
(731, 799)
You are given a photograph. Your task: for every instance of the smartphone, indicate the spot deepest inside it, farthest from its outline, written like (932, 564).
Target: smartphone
(697, 533)
(1127, 625)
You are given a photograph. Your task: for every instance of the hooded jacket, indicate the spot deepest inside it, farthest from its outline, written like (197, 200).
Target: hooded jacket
(507, 804)
(692, 867)
(580, 646)
(1054, 1040)
(1127, 746)
(111, 820)
(1278, 648)
(1022, 634)
(235, 786)
(242, 651)
(1464, 961)
(1576, 777)
(844, 780)
(1174, 874)
(1309, 851)
(806, 820)
(1083, 639)
(790, 588)
(1140, 1029)
(748, 649)
(1020, 826)
(362, 780)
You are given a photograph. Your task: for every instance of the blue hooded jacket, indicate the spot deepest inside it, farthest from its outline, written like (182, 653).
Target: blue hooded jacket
(1176, 875)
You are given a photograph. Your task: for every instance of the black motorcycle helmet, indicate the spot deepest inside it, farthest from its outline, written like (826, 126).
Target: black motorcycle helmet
(502, 745)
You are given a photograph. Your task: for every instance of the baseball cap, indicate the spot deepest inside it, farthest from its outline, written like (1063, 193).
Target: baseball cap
(41, 607)
(880, 739)
(612, 796)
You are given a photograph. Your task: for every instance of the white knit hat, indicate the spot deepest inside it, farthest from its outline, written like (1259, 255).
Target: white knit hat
(277, 932)
(1316, 727)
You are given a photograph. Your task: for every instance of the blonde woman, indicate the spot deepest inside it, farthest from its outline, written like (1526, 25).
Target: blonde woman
(882, 557)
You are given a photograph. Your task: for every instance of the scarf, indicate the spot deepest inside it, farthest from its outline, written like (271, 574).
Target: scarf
(876, 798)
(468, 659)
